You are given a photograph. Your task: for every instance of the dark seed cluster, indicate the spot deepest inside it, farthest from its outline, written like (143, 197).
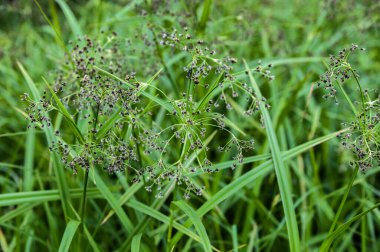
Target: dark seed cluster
(363, 137)
(37, 111)
(339, 71)
(102, 92)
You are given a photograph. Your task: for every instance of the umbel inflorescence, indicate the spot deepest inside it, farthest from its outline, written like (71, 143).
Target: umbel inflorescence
(363, 136)
(135, 126)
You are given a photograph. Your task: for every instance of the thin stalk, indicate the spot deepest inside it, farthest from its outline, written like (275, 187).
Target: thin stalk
(85, 181)
(84, 195)
(360, 88)
(325, 246)
(362, 127)
(353, 109)
(166, 68)
(363, 234)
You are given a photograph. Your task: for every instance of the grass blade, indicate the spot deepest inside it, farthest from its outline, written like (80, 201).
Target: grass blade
(108, 125)
(91, 240)
(135, 247)
(29, 159)
(205, 14)
(73, 22)
(326, 245)
(124, 198)
(341, 205)
(65, 113)
(250, 177)
(280, 169)
(58, 168)
(127, 224)
(18, 211)
(235, 239)
(149, 211)
(68, 235)
(196, 220)
(10, 199)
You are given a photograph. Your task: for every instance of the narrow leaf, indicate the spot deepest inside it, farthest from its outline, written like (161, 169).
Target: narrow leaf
(65, 113)
(126, 223)
(280, 169)
(196, 220)
(135, 247)
(68, 235)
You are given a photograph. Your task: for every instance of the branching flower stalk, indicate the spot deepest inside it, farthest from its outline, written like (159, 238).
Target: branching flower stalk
(363, 137)
(115, 113)
(364, 131)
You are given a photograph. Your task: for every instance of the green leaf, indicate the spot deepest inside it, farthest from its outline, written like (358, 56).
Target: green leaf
(205, 14)
(103, 188)
(135, 247)
(29, 159)
(10, 199)
(326, 245)
(165, 104)
(58, 35)
(235, 238)
(73, 22)
(68, 235)
(196, 220)
(250, 177)
(58, 168)
(150, 211)
(124, 198)
(18, 211)
(281, 171)
(91, 240)
(65, 113)
(341, 205)
(108, 125)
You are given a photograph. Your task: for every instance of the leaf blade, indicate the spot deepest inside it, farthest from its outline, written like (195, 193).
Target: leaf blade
(196, 220)
(280, 170)
(68, 235)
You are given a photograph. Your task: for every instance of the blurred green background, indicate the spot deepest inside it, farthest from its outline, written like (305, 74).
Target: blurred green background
(296, 36)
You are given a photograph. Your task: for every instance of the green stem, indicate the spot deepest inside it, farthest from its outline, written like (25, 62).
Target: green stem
(84, 195)
(363, 229)
(161, 58)
(326, 246)
(362, 126)
(360, 88)
(347, 99)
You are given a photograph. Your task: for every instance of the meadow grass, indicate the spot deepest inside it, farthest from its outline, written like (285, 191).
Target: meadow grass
(189, 181)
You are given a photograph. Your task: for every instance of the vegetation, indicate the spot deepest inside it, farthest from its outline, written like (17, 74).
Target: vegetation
(189, 125)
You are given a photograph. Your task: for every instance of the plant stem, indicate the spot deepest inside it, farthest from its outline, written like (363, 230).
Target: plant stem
(326, 246)
(360, 88)
(353, 109)
(83, 203)
(363, 229)
(161, 58)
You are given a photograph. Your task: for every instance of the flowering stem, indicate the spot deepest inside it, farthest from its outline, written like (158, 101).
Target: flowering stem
(360, 88)
(161, 57)
(83, 204)
(325, 246)
(347, 99)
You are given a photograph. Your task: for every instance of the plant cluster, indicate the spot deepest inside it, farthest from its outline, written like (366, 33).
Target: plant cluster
(362, 137)
(113, 109)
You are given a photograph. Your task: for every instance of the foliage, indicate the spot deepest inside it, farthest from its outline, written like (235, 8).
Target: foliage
(189, 125)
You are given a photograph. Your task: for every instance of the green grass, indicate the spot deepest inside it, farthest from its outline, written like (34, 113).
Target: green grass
(295, 191)
(281, 170)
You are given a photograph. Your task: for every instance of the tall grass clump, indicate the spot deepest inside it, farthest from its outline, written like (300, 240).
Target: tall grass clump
(189, 126)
